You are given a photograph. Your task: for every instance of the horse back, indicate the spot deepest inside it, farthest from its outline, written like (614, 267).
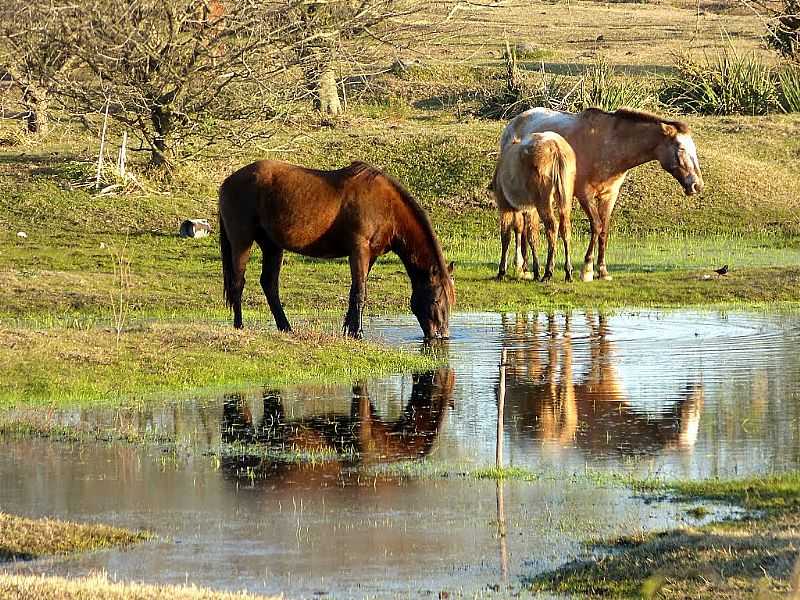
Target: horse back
(313, 212)
(532, 170)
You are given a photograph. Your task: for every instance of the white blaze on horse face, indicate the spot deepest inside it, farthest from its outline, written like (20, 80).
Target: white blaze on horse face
(688, 161)
(686, 143)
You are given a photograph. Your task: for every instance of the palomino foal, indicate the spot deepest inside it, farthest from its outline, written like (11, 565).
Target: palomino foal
(537, 172)
(607, 145)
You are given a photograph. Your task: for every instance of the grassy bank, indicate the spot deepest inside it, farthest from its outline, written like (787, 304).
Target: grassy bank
(91, 364)
(25, 539)
(60, 282)
(99, 587)
(754, 557)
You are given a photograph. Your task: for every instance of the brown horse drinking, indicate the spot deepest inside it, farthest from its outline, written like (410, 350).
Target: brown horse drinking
(358, 212)
(607, 145)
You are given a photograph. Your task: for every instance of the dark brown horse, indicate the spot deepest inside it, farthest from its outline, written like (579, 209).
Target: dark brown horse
(358, 212)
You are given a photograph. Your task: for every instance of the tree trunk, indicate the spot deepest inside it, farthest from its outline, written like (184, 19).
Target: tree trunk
(162, 124)
(36, 120)
(328, 93)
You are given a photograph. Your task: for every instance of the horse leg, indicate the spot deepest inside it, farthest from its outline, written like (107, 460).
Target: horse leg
(360, 262)
(606, 207)
(506, 221)
(587, 271)
(518, 241)
(532, 239)
(272, 259)
(565, 232)
(550, 230)
(240, 257)
(523, 217)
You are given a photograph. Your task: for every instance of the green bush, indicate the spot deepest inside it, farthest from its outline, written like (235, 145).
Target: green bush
(600, 86)
(789, 84)
(728, 84)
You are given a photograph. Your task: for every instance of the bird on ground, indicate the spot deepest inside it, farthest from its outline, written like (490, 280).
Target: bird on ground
(722, 271)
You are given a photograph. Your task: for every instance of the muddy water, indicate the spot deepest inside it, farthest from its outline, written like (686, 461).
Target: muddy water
(678, 395)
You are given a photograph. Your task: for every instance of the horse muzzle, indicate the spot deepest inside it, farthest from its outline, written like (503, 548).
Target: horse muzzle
(694, 188)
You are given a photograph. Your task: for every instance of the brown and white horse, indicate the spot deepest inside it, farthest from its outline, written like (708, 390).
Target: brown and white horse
(607, 145)
(536, 172)
(356, 212)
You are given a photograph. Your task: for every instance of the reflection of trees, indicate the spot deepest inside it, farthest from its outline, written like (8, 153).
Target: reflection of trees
(550, 403)
(361, 437)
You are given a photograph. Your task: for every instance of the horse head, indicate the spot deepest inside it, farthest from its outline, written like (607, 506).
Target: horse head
(431, 300)
(678, 156)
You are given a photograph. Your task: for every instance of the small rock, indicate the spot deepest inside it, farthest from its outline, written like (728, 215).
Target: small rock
(22, 234)
(401, 65)
(525, 48)
(195, 228)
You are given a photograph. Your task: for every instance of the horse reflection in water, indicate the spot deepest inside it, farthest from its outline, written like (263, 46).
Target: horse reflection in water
(341, 441)
(589, 410)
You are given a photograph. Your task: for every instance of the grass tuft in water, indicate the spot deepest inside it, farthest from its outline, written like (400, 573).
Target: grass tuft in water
(25, 539)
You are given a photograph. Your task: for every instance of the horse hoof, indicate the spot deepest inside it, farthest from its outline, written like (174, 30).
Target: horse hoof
(606, 277)
(546, 277)
(500, 277)
(568, 278)
(527, 276)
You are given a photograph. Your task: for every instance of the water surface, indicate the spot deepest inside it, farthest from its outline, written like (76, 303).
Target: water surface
(678, 394)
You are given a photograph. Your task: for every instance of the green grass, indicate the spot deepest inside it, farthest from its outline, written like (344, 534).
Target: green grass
(57, 285)
(750, 557)
(63, 365)
(25, 539)
(767, 492)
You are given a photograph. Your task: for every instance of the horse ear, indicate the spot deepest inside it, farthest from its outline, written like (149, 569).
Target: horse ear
(450, 268)
(668, 130)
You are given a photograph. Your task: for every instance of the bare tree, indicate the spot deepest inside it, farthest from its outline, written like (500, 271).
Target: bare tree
(33, 57)
(785, 30)
(181, 74)
(350, 35)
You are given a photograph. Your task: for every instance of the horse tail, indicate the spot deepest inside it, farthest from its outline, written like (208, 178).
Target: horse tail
(559, 177)
(226, 251)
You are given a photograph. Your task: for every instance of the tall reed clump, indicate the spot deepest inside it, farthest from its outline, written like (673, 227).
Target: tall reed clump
(789, 88)
(602, 87)
(726, 84)
(599, 86)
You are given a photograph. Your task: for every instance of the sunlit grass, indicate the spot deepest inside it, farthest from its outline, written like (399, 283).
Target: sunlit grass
(24, 539)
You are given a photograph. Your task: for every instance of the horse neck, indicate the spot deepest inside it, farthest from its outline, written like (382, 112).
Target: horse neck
(414, 245)
(629, 143)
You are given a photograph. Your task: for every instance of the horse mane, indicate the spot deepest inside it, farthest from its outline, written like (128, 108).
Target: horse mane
(424, 221)
(358, 168)
(641, 116)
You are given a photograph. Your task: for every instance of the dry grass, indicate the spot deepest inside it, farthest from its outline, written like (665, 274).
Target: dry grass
(98, 587)
(755, 558)
(23, 539)
(635, 34)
